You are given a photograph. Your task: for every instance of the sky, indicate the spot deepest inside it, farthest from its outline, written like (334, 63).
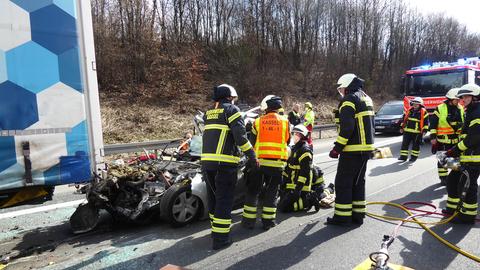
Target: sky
(465, 11)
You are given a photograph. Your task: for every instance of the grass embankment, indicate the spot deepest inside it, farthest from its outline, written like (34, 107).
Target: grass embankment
(143, 118)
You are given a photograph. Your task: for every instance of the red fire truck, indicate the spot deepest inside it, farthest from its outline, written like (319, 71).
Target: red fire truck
(431, 82)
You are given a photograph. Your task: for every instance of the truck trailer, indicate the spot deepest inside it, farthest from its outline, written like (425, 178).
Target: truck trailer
(50, 124)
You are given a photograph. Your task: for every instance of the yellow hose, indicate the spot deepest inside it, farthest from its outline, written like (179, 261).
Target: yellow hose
(423, 225)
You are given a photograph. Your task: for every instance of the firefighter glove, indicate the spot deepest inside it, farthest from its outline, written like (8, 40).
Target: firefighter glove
(333, 153)
(434, 147)
(453, 152)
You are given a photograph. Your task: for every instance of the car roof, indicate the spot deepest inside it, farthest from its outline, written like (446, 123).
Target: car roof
(393, 102)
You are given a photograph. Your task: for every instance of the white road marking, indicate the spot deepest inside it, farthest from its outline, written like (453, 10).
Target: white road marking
(380, 144)
(41, 209)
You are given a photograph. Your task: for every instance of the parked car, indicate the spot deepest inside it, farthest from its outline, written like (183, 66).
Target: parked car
(389, 118)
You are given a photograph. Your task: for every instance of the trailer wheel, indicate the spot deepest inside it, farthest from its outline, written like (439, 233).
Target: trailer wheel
(179, 206)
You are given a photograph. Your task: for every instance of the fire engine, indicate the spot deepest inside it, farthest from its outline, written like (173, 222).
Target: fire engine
(432, 82)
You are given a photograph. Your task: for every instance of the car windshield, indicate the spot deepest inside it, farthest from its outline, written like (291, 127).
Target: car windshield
(428, 84)
(391, 109)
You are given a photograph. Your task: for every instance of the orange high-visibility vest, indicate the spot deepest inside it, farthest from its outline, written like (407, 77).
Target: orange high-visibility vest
(423, 111)
(273, 133)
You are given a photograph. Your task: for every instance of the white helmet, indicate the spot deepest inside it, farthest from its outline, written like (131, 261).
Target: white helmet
(302, 129)
(224, 91)
(233, 92)
(469, 89)
(417, 100)
(345, 80)
(263, 104)
(452, 93)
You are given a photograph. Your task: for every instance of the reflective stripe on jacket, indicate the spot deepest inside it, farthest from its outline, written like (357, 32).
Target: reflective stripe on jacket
(446, 123)
(415, 121)
(272, 132)
(223, 136)
(355, 123)
(298, 171)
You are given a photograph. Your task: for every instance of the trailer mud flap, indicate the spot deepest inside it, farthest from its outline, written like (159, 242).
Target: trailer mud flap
(26, 194)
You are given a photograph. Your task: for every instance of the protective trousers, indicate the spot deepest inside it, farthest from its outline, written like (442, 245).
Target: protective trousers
(443, 172)
(350, 186)
(414, 139)
(220, 190)
(455, 185)
(290, 204)
(266, 179)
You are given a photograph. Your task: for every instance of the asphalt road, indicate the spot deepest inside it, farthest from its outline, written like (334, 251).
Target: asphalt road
(42, 240)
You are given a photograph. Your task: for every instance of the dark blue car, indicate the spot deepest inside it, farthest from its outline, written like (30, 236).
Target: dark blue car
(389, 118)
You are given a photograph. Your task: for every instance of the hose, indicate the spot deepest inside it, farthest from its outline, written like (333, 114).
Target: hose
(412, 219)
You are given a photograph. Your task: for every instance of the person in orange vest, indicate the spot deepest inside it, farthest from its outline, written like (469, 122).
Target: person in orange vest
(415, 124)
(271, 135)
(446, 124)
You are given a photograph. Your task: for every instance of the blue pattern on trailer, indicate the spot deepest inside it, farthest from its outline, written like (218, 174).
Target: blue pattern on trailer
(32, 67)
(18, 107)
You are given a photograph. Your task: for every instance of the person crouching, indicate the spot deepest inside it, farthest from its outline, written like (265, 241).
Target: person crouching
(297, 176)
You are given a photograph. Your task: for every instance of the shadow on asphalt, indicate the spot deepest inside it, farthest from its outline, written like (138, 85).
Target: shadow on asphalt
(398, 166)
(186, 248)
(414, 254)
(298, 249)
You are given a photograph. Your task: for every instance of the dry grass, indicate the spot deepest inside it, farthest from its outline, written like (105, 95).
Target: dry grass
(126, 119)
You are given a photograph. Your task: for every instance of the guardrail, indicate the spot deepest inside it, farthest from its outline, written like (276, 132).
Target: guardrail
(320, 128)
(111, 149)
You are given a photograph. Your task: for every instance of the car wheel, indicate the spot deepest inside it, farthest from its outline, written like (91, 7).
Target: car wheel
(179, 206)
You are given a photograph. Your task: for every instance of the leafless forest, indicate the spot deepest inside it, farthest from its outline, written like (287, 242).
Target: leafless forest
(176, 50)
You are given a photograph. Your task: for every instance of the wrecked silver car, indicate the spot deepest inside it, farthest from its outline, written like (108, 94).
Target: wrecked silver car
(169, 187)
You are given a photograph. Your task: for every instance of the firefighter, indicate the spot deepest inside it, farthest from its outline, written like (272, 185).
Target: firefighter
(298, 176)
(354, 146)
(415, 124)
(308, 119)
(294, 116)
(469, 152)
(224, 131)
(445, 128)
(270, 134)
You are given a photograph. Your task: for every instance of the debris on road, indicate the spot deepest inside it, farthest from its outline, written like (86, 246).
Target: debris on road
(132, 191)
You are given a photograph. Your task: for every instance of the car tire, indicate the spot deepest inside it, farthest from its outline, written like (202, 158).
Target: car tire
(179, 206)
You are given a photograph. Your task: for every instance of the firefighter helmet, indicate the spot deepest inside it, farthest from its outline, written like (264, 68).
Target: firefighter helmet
(351, 81)
(301, 129)
(263, 104)
(452, 93)
(345, 80)
(417, 100)
(274, 103)
(469, 89)
(224, 91)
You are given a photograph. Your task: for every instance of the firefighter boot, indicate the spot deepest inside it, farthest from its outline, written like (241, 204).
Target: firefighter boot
(443, 180)
(413, 159)
(337, 222)
(221, 243)
(447, 211)
(403, 158)
(463, 219)
(268, 224)
(248, 223)
(314, 201)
